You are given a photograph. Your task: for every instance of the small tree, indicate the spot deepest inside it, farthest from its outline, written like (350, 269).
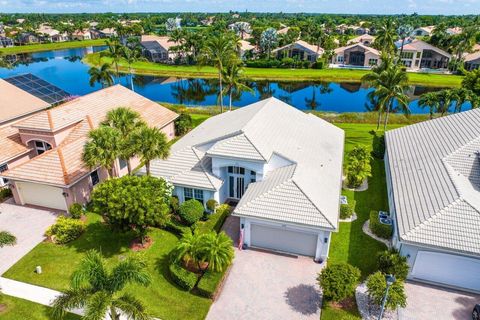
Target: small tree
(377, 286)
(216, 249)
(132, 201)
(183, 124)
(358, 168)
(338, 281)
(212, 204)
(391, 262)
(191, 211)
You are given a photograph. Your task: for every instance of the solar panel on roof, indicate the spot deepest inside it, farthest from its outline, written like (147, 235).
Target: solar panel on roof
(39, 88)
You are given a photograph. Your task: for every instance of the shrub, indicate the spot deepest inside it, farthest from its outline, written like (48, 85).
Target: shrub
(5, 193)
(378, 145)
(183, 124)
(212, 204)
(207, 286)
(76, 210)
(288, 62)
(346, 210)
(391, 262)
(378, 228)
(182, 277)
(358, 167)
(7, 239)
(191, 211)
(65, 230)
(174, 204)
(176, 227)
(216, 219)
(338, 281)
(320, 64)
(272, 63)
(376, 286)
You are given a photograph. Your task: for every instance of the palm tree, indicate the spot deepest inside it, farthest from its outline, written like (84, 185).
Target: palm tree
(242, 28)
(102, 75)
(150, 143)
(216, 250)
(231, 75)
(171, 24)
(4, 63)
(217, 51)
(460, 95)
(131, 55)
(385, 40)
(268, 40)
(114, 52)
(431, 101)
(445, 99)
(186, 249)
(126, 121)
(103, 148)
(390, 87)
(403, 31)
(98, 289)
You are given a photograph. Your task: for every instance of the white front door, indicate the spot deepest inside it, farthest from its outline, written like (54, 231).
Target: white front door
(238, 180)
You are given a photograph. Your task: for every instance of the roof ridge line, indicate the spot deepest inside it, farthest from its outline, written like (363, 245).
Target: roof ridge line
(253, 145)
(62, 164)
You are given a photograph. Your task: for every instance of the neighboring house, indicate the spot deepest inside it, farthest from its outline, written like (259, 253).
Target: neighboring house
(300, 50)
(26, 38)
(365, 39)
(108, 33)
(245, 47)
(454, 31)
(360, 30)
(157, 48)
(419, 55)
(49, 34)
(423, 31)
(472, 61)
(356, 54)
(283, 30)
(282, 166)
(433, 181)
(6, 42)
(82, 35)
(55, 175)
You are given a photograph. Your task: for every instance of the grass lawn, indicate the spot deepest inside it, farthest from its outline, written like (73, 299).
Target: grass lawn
(350, 244)
(163, 298)
(17, 309)
(150, 68)
(52, 46)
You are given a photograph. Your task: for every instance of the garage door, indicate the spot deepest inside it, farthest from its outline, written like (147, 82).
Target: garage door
(41, 195)
(283, 240)
(447, 269)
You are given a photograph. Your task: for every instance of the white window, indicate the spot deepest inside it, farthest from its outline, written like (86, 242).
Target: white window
(41, 147)
(340, 59)
(190, 194)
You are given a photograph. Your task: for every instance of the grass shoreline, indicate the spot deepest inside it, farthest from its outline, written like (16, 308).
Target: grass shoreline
(332, 75)
(39, 47)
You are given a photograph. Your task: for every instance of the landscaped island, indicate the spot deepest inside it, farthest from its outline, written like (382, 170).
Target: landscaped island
(338, 74)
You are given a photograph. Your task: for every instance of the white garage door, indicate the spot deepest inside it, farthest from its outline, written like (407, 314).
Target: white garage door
(448, 269)
(283, 240)
(41, 195)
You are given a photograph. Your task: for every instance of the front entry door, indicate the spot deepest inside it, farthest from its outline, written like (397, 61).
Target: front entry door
(236, 186)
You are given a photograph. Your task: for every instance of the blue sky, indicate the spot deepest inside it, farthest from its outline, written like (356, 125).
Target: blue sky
(324, 6)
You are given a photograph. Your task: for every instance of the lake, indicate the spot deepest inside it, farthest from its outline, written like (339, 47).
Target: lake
(65, 69)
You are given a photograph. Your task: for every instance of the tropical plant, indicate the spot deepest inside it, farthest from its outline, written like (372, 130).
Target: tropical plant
(103, 148)
(101, 75)
(430, 100)
(358, 167)
(231, 75)
(216, 249)
(404, 31)
(131, 55)
(99, 289)
(75, 210)
(391, 262)
(338, 281)
(150, 144)
(114, 52)
(445, 100)
(242, 28)
(268, 40)
(183, 124)
(172, 24)
(7, 239)
(386, 35)
(471, 81)
(376, 287)
(127, 122)
(65, 230)
(133, 202)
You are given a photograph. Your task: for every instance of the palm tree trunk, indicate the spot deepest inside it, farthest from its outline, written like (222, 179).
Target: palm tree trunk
(401, 51)
(147, 167)
(118, 76)
(221, 89)
(230, 99)
(379, 118)
(129, 167)
(131, 77)
(386, 115)
(113, 313)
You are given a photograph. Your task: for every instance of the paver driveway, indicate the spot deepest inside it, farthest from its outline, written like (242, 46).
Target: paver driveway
(268, 286)
(28, 225)
(431, 302)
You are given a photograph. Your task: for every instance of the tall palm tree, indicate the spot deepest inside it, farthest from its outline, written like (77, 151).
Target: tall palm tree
(131, 55)
(150, 143)
(216, 250)
(390, 87)
(386, 35)
(98, 289)
(268, 40)
(445, 99)
(232, 75)
(218, 51)
(101, 75)
(103, 148)
(431, 101)
(126, 121)
(460, 95)
(242, 28)
(403, 31)
(114, 52)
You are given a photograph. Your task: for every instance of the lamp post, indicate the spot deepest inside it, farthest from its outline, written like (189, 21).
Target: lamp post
(390, 279)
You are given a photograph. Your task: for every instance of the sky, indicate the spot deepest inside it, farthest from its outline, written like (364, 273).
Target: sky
(447, 7)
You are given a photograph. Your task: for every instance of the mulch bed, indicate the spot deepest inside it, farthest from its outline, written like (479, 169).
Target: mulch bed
(193, 267)
(137, 244)
(3, 308)
(346, 304)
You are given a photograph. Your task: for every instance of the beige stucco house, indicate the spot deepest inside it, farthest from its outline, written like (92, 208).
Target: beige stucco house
(356, 54)
(419, 54)
(300, 50)
(49, 145)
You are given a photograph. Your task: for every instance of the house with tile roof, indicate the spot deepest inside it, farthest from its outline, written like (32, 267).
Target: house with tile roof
(364, 39)
(423, 31)
(158, 48)
(472, 59)
(356, 54)
(282, 167)
(418, 54)
(300, 50)
(54, 175)
(433, 182)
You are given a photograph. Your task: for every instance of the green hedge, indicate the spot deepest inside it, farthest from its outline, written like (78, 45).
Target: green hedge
(176, 227)
(346, 210)
(182, 277)
(76, 210)
(207, 286)
(215, 220)
(65, 230)
(378, 228)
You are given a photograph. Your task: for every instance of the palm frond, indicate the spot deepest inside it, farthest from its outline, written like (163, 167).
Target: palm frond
(131, 307)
